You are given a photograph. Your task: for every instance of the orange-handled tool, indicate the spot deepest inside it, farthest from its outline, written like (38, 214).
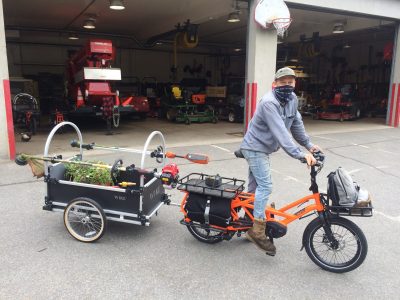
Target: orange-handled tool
(193, 157)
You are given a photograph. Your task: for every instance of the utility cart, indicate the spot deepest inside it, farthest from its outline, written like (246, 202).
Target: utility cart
(135, 196)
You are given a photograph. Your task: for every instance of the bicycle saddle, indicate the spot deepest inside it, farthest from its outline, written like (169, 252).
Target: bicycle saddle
(238, 153)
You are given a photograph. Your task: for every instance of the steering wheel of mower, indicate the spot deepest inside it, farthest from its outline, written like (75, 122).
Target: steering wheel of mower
(114, 170)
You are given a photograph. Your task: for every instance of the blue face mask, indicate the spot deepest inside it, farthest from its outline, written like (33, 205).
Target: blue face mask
(283, 93)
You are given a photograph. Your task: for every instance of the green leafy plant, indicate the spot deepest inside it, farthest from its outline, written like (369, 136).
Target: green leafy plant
(88, 174)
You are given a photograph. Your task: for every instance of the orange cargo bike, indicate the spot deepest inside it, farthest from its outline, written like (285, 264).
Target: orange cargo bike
(215, 208)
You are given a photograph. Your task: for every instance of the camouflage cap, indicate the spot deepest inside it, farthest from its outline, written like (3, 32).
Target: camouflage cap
(284, 72)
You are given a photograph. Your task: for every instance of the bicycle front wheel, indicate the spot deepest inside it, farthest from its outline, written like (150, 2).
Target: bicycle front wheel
(345, 252)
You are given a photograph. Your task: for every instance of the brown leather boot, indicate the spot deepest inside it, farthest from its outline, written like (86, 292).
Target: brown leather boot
(256, 234)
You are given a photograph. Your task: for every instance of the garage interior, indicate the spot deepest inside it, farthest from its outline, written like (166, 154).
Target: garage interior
(343, 62)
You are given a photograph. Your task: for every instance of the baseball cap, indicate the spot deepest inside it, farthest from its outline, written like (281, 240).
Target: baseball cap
(284, 72)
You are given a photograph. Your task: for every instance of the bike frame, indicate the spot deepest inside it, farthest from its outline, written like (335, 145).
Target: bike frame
(245, 201)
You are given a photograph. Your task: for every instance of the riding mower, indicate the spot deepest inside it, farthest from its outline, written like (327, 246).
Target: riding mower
(342, 107)
(183, 105)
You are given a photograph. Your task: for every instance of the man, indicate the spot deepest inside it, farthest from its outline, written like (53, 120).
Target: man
(275, 116)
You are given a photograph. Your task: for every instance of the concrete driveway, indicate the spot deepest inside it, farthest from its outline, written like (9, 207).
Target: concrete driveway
(39, 259)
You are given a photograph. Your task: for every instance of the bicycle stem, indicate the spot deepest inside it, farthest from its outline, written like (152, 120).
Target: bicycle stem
(314, 186)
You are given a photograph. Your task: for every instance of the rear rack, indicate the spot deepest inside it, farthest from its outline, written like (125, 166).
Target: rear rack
(352, 211)
(196, 183)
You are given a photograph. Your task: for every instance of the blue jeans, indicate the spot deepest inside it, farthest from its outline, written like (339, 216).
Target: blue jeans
(260, 180)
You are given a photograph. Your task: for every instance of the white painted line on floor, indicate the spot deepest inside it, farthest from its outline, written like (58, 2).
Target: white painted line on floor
(291, 178)
(360, 145)
(385, 151)
(273, 170)
(354, 171)
(396, 219)
(288, 177)
(218, 147)
(325, 138)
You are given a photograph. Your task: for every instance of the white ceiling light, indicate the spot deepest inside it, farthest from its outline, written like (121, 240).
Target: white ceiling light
(237, 49)
(233, 17)
(89, 23)
(346, 46)
(73, 36)
(117, 5)
(338, 28)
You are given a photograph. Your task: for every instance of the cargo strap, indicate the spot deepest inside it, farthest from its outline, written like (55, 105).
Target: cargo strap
(207, 212)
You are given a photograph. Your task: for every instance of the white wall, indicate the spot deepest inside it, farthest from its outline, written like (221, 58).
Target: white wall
(382, 8)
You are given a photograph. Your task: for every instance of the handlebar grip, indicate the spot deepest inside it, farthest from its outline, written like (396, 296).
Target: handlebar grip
(156, 154)
(76, 144)
(319, 156)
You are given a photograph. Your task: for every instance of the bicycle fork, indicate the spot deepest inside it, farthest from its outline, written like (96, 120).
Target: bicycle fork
(329, 237)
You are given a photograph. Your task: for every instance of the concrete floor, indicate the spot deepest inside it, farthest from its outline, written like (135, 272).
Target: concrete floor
(40, 260)
(134, 133)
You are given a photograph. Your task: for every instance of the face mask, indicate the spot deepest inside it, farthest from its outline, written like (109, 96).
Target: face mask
(283, 93)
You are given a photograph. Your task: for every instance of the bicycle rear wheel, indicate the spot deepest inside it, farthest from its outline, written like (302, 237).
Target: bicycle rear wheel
(205, 235)
(344, 253)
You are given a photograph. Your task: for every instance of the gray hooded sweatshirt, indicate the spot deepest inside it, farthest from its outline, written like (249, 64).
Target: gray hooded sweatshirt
(269, 128)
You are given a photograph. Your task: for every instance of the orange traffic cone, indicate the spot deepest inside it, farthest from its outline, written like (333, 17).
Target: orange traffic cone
(79, 99)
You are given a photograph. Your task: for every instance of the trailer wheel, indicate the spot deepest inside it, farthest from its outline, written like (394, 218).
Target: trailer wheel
(85, 220)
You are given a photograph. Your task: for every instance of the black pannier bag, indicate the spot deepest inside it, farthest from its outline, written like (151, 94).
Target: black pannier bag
(207, 209)
(342, 190)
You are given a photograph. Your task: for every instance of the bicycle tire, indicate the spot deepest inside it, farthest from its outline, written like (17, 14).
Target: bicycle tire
(205, 236)
(84, 228)
(340, 228)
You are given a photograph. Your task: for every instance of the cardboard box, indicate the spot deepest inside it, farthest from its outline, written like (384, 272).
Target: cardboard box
(216, 91)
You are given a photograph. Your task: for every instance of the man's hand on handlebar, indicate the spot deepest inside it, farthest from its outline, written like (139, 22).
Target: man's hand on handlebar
(315, 148)
(310, 159)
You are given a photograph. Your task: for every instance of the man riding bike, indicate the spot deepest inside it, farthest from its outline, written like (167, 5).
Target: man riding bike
(275, 116)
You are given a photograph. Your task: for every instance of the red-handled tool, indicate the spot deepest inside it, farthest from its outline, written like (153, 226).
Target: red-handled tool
(193, 157)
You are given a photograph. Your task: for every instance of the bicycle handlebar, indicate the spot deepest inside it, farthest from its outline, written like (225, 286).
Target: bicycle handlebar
(319, 156)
